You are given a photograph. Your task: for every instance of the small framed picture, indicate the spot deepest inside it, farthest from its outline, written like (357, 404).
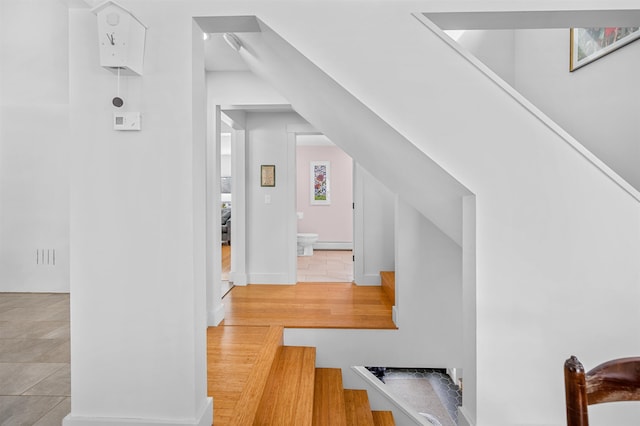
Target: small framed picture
(267, 175)
(589, 44)
(320, 189)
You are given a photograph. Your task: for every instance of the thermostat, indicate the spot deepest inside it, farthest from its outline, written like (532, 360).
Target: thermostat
(126, 121)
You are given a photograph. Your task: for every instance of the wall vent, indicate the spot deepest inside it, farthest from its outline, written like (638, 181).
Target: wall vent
(46, 257)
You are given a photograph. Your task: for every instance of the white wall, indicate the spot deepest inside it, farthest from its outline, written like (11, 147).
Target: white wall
(138, 311)
(34, 146)
(596, 104)
(269, 209)
(228, 88)
(374, 215)
(495, 48)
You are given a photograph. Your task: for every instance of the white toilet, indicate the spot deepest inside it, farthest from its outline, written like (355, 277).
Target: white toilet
(305, 244)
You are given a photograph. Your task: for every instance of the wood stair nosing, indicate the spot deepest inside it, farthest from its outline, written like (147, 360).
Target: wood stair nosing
(388, 281)
(247, 405)
(383, 418)
(288, 394)
(358, 408)
(328, 401)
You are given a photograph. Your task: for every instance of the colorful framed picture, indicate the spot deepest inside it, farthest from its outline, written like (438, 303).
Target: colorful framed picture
(589, 44)
(320, 183)
(267, 175)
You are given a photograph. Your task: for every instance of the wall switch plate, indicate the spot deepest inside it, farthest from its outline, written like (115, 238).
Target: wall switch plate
(126, 121)
(267, 199)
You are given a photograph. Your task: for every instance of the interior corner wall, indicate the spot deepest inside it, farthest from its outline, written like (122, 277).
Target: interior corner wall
(374, 233)
(34, 147)
(496, 49)
(429, 279)
(333, 222)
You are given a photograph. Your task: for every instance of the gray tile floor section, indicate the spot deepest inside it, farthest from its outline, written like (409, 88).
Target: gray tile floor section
(35, 378)
(403, 380)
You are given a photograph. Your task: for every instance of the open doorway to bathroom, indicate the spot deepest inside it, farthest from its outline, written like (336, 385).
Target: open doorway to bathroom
(324, 206)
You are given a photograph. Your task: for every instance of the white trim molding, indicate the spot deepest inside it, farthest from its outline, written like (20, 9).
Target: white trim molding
(333, 245)
(205, 418)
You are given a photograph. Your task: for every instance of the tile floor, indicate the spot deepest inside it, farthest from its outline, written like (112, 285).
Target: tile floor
(323, 266)
(408, 383)
(326, 266)
(35, 378)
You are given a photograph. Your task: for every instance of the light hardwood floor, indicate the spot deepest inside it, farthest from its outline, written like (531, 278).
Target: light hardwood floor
(323, 266)
(309, 305)
(226, 261)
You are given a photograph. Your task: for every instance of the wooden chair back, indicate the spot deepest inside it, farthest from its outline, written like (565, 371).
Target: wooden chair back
(615, 380)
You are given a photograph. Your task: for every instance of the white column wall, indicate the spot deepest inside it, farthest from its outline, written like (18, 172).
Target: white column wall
(138, 305)
(269, 209)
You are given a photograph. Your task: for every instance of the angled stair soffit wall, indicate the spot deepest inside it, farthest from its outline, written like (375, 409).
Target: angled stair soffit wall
(404, 166)
(352, 126)
(440, 22)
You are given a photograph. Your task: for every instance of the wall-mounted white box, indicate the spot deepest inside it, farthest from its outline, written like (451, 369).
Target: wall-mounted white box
(121, 38)
(126, 121)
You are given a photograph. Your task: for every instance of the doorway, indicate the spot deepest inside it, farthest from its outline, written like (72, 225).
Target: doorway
(324, 210)
(225, 210)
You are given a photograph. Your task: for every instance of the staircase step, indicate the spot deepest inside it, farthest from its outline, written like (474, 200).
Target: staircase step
(328, 404)
(239, 360)
(358, 408)
(388, 280)
(288, 394)
(383, 418)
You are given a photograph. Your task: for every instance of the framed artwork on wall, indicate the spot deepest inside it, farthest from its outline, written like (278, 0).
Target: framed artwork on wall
(589, 44)
(320, 183)
(267, 175)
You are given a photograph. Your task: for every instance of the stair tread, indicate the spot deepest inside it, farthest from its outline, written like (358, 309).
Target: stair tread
(358, 408)
(288, 394)
(383, 418)
(328, 405)
(239, 361)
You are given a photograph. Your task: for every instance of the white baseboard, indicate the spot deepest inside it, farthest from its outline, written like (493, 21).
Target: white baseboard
(368, 279)
(237, 278)
(215, 316)
(332, 245)
(464, 418)
(204, 419)
(269, 279)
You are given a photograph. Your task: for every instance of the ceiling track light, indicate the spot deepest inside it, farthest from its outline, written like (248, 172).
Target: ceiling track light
(233, 41)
